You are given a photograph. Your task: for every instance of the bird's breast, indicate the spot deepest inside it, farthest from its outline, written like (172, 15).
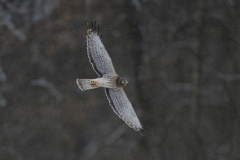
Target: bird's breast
(108, 82)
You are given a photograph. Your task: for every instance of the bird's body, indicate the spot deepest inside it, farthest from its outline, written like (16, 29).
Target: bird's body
(113, 84)
(106, 82)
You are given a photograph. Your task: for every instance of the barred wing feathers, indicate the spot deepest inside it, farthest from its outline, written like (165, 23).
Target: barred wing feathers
(123, 108)
(97, 54)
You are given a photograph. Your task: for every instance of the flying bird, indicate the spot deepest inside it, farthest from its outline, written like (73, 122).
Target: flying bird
(108, 79)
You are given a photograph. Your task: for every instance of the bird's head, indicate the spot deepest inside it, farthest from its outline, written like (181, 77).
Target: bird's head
(121, 82)
(124, 82)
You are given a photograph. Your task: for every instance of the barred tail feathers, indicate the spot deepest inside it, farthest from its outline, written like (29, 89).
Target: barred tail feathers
(86, 84)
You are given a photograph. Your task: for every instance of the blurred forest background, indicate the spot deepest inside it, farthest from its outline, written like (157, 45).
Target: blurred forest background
(181, 58)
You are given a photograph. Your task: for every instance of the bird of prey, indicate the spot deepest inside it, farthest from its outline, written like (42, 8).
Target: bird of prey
(108, 79)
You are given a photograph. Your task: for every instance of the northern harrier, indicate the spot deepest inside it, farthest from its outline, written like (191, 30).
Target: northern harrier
(113, 84)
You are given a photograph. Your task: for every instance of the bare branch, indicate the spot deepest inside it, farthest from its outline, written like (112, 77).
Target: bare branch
(137, 5)
(223, 76)
(115, 135)
(91, 149)
(44, 83)
(25, 12)
(3, 101)
(3, 76)
(6, 20)
(4, 88)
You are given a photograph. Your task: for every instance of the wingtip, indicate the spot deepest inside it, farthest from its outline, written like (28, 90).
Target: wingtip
(142, 132)
(145, 132)
(88, 25)
(94, 27)
(98, 28)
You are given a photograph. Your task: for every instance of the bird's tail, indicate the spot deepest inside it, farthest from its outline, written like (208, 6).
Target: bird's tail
(86, 84)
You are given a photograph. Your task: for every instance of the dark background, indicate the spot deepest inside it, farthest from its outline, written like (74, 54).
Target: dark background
(181, 58)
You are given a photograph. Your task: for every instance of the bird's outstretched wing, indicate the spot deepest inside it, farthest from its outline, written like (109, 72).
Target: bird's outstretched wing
(97, 54)
(123, 108)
